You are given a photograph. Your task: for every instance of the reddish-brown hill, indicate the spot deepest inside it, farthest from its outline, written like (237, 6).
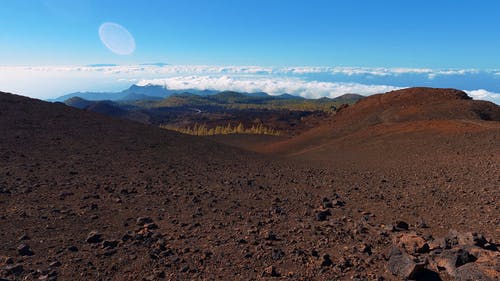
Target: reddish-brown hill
(397, 116)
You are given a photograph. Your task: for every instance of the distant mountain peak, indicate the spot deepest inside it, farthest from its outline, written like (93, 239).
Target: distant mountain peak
(160, 64)
(349, 98)
(101, 64)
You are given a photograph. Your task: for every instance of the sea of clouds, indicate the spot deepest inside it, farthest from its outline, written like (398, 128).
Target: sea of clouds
(270, 85)
(312, 82)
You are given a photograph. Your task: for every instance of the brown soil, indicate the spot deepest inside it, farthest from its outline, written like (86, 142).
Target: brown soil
(249, 142)
(87, 197)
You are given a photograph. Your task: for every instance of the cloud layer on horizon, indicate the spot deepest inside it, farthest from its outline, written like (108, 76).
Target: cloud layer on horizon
(261, 70)
(273, 86)
(52, 81)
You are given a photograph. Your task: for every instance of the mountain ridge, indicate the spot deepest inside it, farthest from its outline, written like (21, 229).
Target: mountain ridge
(405, 111)
(155, 92)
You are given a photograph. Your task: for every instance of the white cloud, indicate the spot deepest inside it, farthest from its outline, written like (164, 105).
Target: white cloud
(205, 69)
(53, 81)
(379, 71)
(482, 94)
(273, 86)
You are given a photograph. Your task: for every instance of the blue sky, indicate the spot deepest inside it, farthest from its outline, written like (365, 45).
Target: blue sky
(388, 33)
(311, 48)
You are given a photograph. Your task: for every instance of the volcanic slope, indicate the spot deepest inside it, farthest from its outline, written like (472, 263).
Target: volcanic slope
(87, 197)
(420, 119)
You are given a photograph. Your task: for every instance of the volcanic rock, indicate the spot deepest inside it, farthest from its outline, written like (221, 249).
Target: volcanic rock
(323, 215)
(404, 265)
(94, 237)
(144, 220)
(400, 226)
(412, 243)
(24, 250)
(16, 269)
(270, 272)
(110, 244)
(326, 261)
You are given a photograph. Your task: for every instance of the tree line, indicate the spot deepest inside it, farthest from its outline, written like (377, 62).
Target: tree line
(203, 130)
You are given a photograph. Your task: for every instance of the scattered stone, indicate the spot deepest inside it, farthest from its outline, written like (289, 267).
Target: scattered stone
(144, 220)
(323, 215)
(127, 236)
(55, 264)
(338, 203)
(270, 272)
(14, 269)
(326, 261)
(277, 254)
(94, 237)
(110, 244)
(421, 224)
(400, 226)
(269, 235)
(52, 275)
(159, 273)
(327, 203)
(4, 190)
(344, 264)
(24, 237)
(109, 252)
(25, 250)
(365, 248)
(151, 226)
(73, 248)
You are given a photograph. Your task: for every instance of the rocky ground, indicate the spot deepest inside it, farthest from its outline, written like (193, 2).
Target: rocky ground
(87, 197)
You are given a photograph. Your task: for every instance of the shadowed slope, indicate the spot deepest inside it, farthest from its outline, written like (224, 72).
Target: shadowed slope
(58, 127)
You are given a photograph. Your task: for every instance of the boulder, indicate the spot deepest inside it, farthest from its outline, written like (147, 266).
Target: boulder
(405, 266)
(451, 259)
(472, 271)
(411, 243)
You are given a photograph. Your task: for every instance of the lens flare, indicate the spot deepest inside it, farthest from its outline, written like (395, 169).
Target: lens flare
(117, 38)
